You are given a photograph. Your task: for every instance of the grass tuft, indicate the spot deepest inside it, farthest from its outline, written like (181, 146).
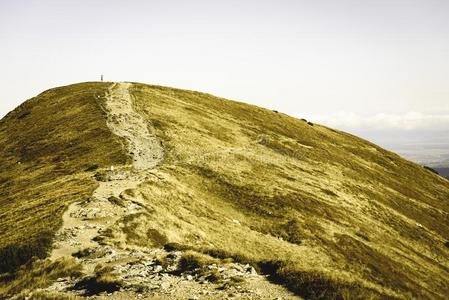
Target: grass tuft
(104, 280)
(37, 274)
(15, 255)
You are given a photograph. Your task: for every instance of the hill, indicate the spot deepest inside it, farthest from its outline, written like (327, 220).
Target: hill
(199, 195)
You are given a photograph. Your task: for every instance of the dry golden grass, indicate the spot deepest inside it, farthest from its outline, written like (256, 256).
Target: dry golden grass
(37, 274)
(339, 214)
(46, 145)
(323, 212)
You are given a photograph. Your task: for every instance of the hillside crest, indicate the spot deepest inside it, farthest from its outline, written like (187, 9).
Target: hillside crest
(135, 189)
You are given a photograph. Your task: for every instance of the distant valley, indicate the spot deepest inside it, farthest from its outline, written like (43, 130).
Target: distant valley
(426, 148)
(443, 172)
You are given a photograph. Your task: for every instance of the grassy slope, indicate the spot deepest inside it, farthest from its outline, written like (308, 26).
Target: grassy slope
(335, 214)
(45, 146)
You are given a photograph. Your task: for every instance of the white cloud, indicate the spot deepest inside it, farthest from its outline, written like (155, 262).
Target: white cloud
(382, 121)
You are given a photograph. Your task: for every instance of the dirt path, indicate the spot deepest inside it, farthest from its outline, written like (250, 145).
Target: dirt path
(125, 122)
(138, 269)
(83, 221)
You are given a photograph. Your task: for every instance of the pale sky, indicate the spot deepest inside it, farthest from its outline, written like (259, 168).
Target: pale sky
(351, 64)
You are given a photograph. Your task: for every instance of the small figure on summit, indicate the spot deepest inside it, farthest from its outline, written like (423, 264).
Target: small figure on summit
(101, 77)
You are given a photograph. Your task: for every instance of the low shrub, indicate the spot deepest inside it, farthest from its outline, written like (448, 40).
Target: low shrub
(213, 275)
(101, 176)
(225, 255)
(90, 253)
(82, 253)
(13, 256)
(103, 281)
(37, 274)
(329, 192)
(291, 231)
(117, 201)
(192, 260)
(170, 247)
(158, 239)
(312, 284)
(91, 168)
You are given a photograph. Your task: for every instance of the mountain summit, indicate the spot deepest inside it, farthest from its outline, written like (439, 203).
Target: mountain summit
(127, 190)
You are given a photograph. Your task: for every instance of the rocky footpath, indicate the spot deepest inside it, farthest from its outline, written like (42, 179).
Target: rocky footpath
(157, 273)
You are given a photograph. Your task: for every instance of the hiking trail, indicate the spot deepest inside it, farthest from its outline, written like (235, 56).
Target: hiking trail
(140, 273)
(83, 221)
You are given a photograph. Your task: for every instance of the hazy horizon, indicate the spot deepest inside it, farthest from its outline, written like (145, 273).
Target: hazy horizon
(367, 67)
